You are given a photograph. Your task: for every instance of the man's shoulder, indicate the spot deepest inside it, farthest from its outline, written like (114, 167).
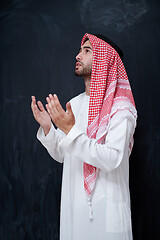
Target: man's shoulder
(77, 98)
(77, 102)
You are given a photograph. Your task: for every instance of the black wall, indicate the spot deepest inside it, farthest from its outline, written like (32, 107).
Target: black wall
(39, 40)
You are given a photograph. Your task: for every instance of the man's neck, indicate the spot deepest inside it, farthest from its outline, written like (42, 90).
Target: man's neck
(87, 86)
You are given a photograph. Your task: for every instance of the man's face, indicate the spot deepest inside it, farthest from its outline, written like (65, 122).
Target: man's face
(84, 61)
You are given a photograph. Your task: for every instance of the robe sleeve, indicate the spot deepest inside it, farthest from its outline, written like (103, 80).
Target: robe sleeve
(108, 156)
(51, 142)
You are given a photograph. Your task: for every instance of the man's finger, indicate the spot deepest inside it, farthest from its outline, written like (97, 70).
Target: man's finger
(57, 104)
(51, 108)
(35, 110)
(33, 99)
(51, 97)
(69, 109)
(40, 105)
(33, 103)
(48, 109)
(50, 104)
(54, 103)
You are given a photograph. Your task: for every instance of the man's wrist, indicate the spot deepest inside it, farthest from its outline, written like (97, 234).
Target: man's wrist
(46, 129)
(66, 131)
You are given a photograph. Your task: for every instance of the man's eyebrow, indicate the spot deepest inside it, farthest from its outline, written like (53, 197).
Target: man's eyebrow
(85, 47)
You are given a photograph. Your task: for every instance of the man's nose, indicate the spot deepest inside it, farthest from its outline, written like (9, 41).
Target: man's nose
(78, 57)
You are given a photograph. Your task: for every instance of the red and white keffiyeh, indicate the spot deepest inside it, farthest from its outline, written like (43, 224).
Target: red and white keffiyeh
(110, 91)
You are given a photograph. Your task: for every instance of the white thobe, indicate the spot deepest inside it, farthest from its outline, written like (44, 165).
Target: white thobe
(110, 199)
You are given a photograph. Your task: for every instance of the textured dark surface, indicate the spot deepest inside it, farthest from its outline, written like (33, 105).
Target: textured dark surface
(39, 40)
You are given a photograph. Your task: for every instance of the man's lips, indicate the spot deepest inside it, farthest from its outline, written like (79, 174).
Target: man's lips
(78, 64)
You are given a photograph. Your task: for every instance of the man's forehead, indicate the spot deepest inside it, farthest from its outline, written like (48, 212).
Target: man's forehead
(87, 43)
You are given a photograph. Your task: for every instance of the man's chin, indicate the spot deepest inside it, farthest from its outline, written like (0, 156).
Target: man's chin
(78, 74)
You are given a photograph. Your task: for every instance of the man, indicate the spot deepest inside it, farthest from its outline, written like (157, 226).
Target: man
(94, 141)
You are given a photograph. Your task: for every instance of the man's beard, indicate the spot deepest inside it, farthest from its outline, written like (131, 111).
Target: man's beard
(84, 71)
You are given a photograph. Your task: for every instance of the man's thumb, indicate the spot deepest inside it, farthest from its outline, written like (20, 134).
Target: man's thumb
(69, 109)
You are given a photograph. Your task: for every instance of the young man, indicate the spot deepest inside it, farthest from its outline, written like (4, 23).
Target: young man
(94, 141)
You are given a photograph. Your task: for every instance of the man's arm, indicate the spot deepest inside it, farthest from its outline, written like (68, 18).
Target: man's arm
(51, 142)
(106, 157)
(47, 134)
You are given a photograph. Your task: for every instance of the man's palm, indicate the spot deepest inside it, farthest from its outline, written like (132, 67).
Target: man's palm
(40, 114)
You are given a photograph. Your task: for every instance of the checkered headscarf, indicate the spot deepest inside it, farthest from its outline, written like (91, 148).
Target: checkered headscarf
(110, 91)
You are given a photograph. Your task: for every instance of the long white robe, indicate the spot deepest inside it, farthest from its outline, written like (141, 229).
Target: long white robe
(111, 198)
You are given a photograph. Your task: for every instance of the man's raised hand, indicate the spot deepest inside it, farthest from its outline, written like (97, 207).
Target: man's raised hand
(63, 120)
(41, 115)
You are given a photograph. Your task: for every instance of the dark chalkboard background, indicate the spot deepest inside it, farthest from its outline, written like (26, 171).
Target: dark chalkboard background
(39, 40)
